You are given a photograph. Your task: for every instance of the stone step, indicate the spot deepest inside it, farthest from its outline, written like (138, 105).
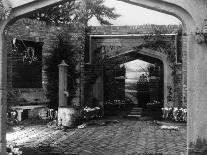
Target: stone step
(135, 116)
(134, 113)
(136, 110)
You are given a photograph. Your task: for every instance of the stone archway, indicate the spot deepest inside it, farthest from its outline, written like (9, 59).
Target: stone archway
(150, 54)
(193, 15)
(117, 46)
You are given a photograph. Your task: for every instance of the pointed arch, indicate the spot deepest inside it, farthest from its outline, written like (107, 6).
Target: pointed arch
(168, 7)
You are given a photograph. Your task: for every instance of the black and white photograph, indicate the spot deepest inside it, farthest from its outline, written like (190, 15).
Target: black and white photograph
(103, 77)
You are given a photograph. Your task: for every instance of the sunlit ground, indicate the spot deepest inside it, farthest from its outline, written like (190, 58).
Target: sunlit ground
(125, 137)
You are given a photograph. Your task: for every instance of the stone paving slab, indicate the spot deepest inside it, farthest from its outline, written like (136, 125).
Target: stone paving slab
(128, 137)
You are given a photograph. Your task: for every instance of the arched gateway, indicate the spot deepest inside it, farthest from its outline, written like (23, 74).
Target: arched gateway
(192, 13)
(125, 48)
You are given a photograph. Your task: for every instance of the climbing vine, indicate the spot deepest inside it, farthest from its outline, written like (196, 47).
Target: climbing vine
(158, 42)
(5, 9)
(65, 51)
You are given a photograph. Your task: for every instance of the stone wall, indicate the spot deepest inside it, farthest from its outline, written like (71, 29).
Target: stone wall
(178, 81)
(184, 69)
(37, 31)
(180, 74)
(137, 29)
(33, 30)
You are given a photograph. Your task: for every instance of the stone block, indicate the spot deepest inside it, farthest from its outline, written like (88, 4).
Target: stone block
(66, 116)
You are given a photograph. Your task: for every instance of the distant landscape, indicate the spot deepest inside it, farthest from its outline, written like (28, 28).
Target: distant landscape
(130, 85)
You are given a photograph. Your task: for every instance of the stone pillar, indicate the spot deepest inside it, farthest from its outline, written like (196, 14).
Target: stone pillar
(19, 114)
(66, 114)
(63, 84)
(184, 70)
(197, 94)
(3, 92)
(82, 79)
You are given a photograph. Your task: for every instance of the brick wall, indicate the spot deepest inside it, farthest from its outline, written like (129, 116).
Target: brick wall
(178, 85)
(138, 29)
(184, 69)
(37, 31)
(33, 30)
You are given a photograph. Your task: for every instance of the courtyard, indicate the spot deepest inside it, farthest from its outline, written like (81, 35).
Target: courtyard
(120, 136)
(26, 43)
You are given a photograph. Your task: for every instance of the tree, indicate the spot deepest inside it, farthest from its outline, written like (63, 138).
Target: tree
(59, 14)
(153, 70)
(97, 9)
(72, 10)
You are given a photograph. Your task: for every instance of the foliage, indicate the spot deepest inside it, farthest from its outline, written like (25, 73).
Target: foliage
(13, 150)
(64, 51)
(96, 8)
(88, 112)
(158, 41)
(95, 70)
(72, 12)
(58, 14)
(113, 86)
(5, 9)
(175, 114)
(78, 13)
(153, 70)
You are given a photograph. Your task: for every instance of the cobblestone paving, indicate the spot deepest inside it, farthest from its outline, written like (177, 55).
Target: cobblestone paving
(128, 137)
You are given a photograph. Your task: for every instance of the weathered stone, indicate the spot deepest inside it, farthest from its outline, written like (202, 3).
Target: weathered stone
(122, 48)
(63, 84)
(36, 31)
(66, 116)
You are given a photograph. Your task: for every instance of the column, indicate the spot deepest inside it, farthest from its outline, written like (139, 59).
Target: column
(63, 84)
(196, 94)
(3, 92)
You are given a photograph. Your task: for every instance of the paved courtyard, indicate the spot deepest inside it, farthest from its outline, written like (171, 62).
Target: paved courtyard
(128, 137)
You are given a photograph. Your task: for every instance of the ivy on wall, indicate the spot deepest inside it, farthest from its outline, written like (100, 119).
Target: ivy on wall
(64, 51)
(5, 9)
(160, 43)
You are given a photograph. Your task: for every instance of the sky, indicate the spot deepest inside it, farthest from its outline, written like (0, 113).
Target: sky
(134, 69)
(135, 15)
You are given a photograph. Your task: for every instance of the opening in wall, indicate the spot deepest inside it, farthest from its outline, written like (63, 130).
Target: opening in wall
(26, 64)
